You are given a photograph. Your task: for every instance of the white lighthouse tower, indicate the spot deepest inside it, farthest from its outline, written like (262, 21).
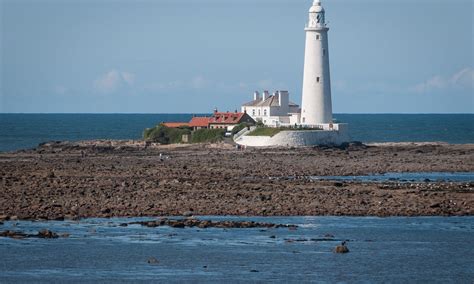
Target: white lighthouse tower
(316, 106)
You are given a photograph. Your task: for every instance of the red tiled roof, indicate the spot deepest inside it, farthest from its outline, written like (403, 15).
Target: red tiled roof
(175, 124)
(227, 117)
(199, 121)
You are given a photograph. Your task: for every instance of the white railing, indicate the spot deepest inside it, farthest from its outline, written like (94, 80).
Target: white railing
(243, 132)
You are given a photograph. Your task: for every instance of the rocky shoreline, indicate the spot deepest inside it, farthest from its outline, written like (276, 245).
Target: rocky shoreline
(70, 180)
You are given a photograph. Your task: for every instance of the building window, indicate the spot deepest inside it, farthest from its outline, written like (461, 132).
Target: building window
(304, 119)
(324, 51)
(317, 79)
(253, 112)
(317, 37)
(264, 112)
(258, 112)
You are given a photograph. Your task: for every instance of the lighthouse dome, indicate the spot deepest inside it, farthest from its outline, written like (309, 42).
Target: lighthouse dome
(316, 8)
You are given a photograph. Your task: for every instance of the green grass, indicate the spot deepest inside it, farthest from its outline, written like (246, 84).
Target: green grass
(271, 131)
(265, 131)
(207, 135)
(165, 135)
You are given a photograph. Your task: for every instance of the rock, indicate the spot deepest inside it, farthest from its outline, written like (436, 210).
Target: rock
(338, 184)
(13, 234)
(153, 260)
(47, 234)
(65, 235)
(341, 249)
(188, 214)
(272, 237)
(435, 205)
(253, 270)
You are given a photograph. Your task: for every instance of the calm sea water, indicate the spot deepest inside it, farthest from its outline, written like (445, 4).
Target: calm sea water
(393, 250)
(19, 131)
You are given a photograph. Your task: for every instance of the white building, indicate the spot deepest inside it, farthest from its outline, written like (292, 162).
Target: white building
(315, 115)
(273, 110)
(316, 105)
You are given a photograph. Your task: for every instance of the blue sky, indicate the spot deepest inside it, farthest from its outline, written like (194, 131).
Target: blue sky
(175, 56)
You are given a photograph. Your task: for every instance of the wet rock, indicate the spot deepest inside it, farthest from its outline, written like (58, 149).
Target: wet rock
(342, 248)
(47, 234)
(13, 234)
(153, 260)
(182, 223)
(254, 270)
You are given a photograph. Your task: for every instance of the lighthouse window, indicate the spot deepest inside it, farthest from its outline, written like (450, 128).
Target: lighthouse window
(317, 79)
(317, 36)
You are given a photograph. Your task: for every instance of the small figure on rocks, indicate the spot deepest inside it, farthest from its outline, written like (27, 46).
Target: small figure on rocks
(342, 248)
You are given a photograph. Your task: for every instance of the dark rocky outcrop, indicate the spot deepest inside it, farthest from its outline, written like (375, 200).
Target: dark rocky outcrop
(191, 222)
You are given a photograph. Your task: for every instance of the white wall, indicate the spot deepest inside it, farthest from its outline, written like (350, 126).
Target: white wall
(299, 138)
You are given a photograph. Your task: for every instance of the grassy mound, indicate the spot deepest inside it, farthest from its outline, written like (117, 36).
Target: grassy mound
(265, 131)
(165, 135)
(207, 135)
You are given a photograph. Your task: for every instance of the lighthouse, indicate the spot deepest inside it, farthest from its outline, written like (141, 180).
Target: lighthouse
(316, 106)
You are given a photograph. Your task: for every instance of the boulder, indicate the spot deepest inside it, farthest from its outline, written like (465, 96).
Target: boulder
(341, 249)
(153, 260)
(47, 234)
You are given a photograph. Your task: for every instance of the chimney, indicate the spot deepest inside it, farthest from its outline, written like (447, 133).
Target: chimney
(265, 95)
(256, 95)
(284, 100)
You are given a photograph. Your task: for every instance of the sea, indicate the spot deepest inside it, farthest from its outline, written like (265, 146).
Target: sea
(23, 131)
(381, 250)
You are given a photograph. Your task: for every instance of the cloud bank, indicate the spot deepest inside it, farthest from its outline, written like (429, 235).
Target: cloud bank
(461, 79)
(113, 81)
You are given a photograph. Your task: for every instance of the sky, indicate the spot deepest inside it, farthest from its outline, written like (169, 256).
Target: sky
(176, 56)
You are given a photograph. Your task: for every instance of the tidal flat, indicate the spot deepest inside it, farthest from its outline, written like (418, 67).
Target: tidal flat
(71, 180)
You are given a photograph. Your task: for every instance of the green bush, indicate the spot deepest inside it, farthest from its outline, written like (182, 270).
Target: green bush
(165, 135)
(260, 124)
(207, 135)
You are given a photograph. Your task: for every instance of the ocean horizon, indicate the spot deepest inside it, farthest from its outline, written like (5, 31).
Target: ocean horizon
(27, 130)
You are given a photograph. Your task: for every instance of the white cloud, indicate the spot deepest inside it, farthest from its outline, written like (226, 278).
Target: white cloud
(113, 80)
(60, 90)
(199, 82)
(462, 79)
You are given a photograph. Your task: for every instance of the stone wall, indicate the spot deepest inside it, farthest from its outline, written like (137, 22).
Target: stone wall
(299, 138)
